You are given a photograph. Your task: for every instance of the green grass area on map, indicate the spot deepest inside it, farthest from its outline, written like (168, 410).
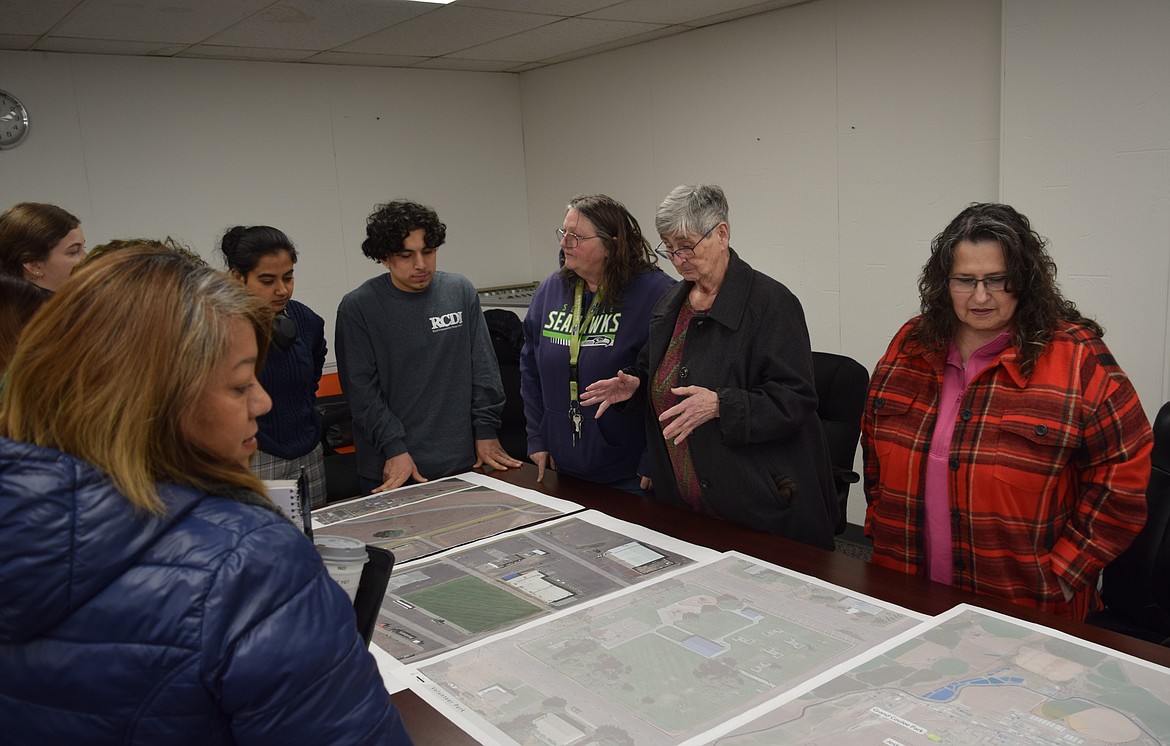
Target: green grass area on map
(472, 604)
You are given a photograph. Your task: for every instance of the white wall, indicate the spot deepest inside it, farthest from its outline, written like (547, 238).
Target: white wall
(1086, 155)
(187, 148)
(846, 134)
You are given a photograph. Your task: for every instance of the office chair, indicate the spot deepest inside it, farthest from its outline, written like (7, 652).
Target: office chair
(371, 590)
(341, 479)
(508, 339)
(841, 384)
(1136, 586)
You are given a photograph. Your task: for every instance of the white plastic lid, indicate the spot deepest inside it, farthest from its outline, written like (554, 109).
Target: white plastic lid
(340, 548)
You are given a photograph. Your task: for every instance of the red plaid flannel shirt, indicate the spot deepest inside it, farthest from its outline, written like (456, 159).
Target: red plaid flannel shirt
(1047, 473)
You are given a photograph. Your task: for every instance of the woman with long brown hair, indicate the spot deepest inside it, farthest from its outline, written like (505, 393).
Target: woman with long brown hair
(151, 593)
(1006, 451)
(586, 321)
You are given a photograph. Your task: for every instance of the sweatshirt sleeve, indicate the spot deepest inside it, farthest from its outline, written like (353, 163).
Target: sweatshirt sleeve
(281, 650)
(358, 368)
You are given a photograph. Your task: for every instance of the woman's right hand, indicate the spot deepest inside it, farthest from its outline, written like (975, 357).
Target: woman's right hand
(610, 391)
(541, 459)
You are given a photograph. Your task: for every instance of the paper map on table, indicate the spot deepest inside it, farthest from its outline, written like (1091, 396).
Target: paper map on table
(444, 601)
(425, 518)
(974, 676)
(659, 662)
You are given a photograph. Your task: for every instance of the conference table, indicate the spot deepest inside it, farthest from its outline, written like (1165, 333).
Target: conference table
(427, 726)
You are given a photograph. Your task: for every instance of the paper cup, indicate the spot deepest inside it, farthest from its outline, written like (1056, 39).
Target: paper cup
(344, 558)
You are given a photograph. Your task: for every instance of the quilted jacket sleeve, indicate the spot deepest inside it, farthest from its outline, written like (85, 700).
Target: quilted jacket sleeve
(282, 653)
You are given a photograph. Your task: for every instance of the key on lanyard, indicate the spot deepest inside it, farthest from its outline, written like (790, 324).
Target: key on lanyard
(575, 417)
(575, 349)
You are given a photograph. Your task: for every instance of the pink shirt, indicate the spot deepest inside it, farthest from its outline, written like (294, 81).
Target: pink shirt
(956, 377)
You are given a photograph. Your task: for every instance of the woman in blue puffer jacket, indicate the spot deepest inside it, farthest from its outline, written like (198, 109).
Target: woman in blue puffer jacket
(149, 593)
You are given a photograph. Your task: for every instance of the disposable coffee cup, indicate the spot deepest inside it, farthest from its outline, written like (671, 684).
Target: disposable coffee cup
(344, 558)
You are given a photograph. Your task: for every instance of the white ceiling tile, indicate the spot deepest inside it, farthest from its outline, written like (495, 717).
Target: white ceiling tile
(551, 7)
(362, 58)
(618, 44)
(211, 51)
(744, 12)
(525, 67)
(317, 24)
(510, 35)
(447, 63)
(33, 18)
(178, 21)
(556, 39)
(670, 11)
(448, 29)
(14, 41)
(108, 46)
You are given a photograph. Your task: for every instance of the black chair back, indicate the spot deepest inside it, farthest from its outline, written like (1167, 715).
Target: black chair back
(507, 335)
(841, 384)
(341, 479)
(1136, 586)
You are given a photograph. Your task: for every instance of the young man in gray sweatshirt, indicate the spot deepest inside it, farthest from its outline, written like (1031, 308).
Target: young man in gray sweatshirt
(415, 359)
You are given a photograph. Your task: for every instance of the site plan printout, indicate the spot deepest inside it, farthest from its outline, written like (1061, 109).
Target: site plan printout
(658, 662)
(465, 594)
(973, 676)
(428, 517)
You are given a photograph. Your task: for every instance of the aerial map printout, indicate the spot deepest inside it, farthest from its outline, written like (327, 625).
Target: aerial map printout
(428, 517)
(444, 601)
(971, 676)
(659, 662)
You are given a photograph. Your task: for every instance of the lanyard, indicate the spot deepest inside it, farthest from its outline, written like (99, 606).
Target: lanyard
(580, 327)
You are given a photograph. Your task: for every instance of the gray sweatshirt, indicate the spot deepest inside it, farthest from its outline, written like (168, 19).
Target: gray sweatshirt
(420, 374)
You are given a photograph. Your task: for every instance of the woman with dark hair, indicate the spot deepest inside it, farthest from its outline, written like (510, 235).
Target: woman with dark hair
(151, 593)
(40, 243)
(262, 258)
(1006, 452)
(18, 302)
(586, 321)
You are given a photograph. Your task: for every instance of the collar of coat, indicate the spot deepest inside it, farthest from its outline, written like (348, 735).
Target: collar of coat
(730, 302)
(1009, 358)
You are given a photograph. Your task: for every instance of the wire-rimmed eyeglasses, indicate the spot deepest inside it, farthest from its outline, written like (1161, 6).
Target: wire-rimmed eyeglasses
(682, 253)
(570, 239)
(992, 284)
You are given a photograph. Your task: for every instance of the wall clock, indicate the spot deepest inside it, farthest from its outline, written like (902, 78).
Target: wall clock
(13, 121)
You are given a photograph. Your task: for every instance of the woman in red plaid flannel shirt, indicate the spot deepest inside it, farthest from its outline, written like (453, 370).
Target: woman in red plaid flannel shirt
(1006, 452)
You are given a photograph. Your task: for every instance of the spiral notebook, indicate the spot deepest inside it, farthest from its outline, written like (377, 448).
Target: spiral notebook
(291, 497)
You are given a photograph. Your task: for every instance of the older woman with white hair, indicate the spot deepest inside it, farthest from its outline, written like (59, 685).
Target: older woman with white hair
(727, 374)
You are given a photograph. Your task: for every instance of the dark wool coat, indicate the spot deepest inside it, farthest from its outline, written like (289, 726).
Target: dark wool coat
(763, 462)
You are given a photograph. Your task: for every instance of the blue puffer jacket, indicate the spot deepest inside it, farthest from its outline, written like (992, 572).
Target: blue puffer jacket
(213, 624)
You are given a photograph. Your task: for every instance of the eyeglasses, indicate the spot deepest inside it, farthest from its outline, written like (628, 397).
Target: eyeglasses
(570, 240)
(683, 252)
(993, 284)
